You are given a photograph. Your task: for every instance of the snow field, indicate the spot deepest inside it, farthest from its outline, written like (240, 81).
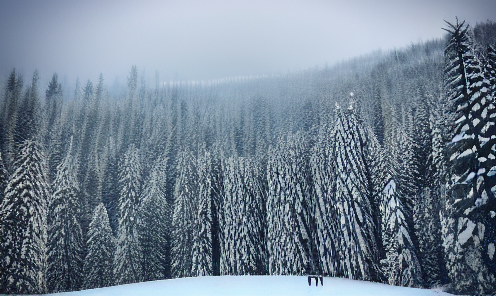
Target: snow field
(255, 286)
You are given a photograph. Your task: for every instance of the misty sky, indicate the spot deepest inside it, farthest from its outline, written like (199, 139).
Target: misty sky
(194, 39)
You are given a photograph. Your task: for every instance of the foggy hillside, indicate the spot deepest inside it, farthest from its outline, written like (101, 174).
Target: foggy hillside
(379, 168)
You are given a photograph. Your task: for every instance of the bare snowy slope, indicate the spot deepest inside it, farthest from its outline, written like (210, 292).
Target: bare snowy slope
(256, 286)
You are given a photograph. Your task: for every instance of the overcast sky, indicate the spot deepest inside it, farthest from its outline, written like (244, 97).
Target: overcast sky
(194, 39)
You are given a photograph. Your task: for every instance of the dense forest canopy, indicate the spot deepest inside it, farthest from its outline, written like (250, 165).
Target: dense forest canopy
(380, 168)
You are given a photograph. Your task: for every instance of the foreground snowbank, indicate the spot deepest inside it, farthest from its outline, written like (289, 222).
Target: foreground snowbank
(256, 286)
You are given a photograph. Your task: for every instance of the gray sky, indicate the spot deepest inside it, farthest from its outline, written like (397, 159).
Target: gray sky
(194, 39)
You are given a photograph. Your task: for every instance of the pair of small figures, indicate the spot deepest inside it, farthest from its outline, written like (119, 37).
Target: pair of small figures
(316, 277)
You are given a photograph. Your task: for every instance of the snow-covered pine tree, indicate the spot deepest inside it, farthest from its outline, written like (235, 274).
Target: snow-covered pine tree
(11, 100)
(185, 210)
(438, 192)
(379, 175)
(242, 226)
(155, 220)
(110, 186)
(128, 255)
(65, 238)
(426, 203)
(471, 262)
(28, 117)
(401, 265)
(290, 208)
(202, 234)
(98, 264)
(324, 181)
(405, 173)
(357, 243)
(23, 222)
(53, 107)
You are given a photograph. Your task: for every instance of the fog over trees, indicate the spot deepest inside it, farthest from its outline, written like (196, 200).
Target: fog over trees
(380, 168)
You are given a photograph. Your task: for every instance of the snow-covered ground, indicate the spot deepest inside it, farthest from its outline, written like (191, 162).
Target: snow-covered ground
(256, 286)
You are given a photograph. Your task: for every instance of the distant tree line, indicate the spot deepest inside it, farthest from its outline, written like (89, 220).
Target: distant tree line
(381, 168)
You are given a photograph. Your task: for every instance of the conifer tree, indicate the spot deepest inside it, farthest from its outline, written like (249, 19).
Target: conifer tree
(471, 266)
(128, 255)
(290, 207)
(23, 223)
(155, 220)
(65, 238)
(12, 100)
(183, 220)
(242, 226)
(98, 265)
(357, 242)
(202, 234)
(53, 108)
(28, 117)
(324, 181)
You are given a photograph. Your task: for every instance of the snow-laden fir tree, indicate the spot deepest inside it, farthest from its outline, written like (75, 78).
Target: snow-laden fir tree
(28, 116)
(110, 188)
(289, 208)
(324, 182)
(184, 217)
(98, 268)
(65, 238)
(471, 262)
(379, 174)
(23, 222)
(128, 255)
(426, 204)
(356, 233)
(202, 233)
(242, 225)
(438, 192)
(155, 220)
(401, 265)
(51, 125)
(397, 205)
(11, 101)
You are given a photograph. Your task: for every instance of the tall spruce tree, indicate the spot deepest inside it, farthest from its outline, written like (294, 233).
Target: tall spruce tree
(128, 255)
(471, 264)
(65, 238)
(358, 246)
(242, 245)
(23, 222)
(290, 208)
(202, 234)
(155, 220)
(98, 264)
(12, 100)
(184, 219)
(324, 181)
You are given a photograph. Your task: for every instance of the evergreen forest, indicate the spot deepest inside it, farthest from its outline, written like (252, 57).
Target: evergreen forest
(380, 168)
